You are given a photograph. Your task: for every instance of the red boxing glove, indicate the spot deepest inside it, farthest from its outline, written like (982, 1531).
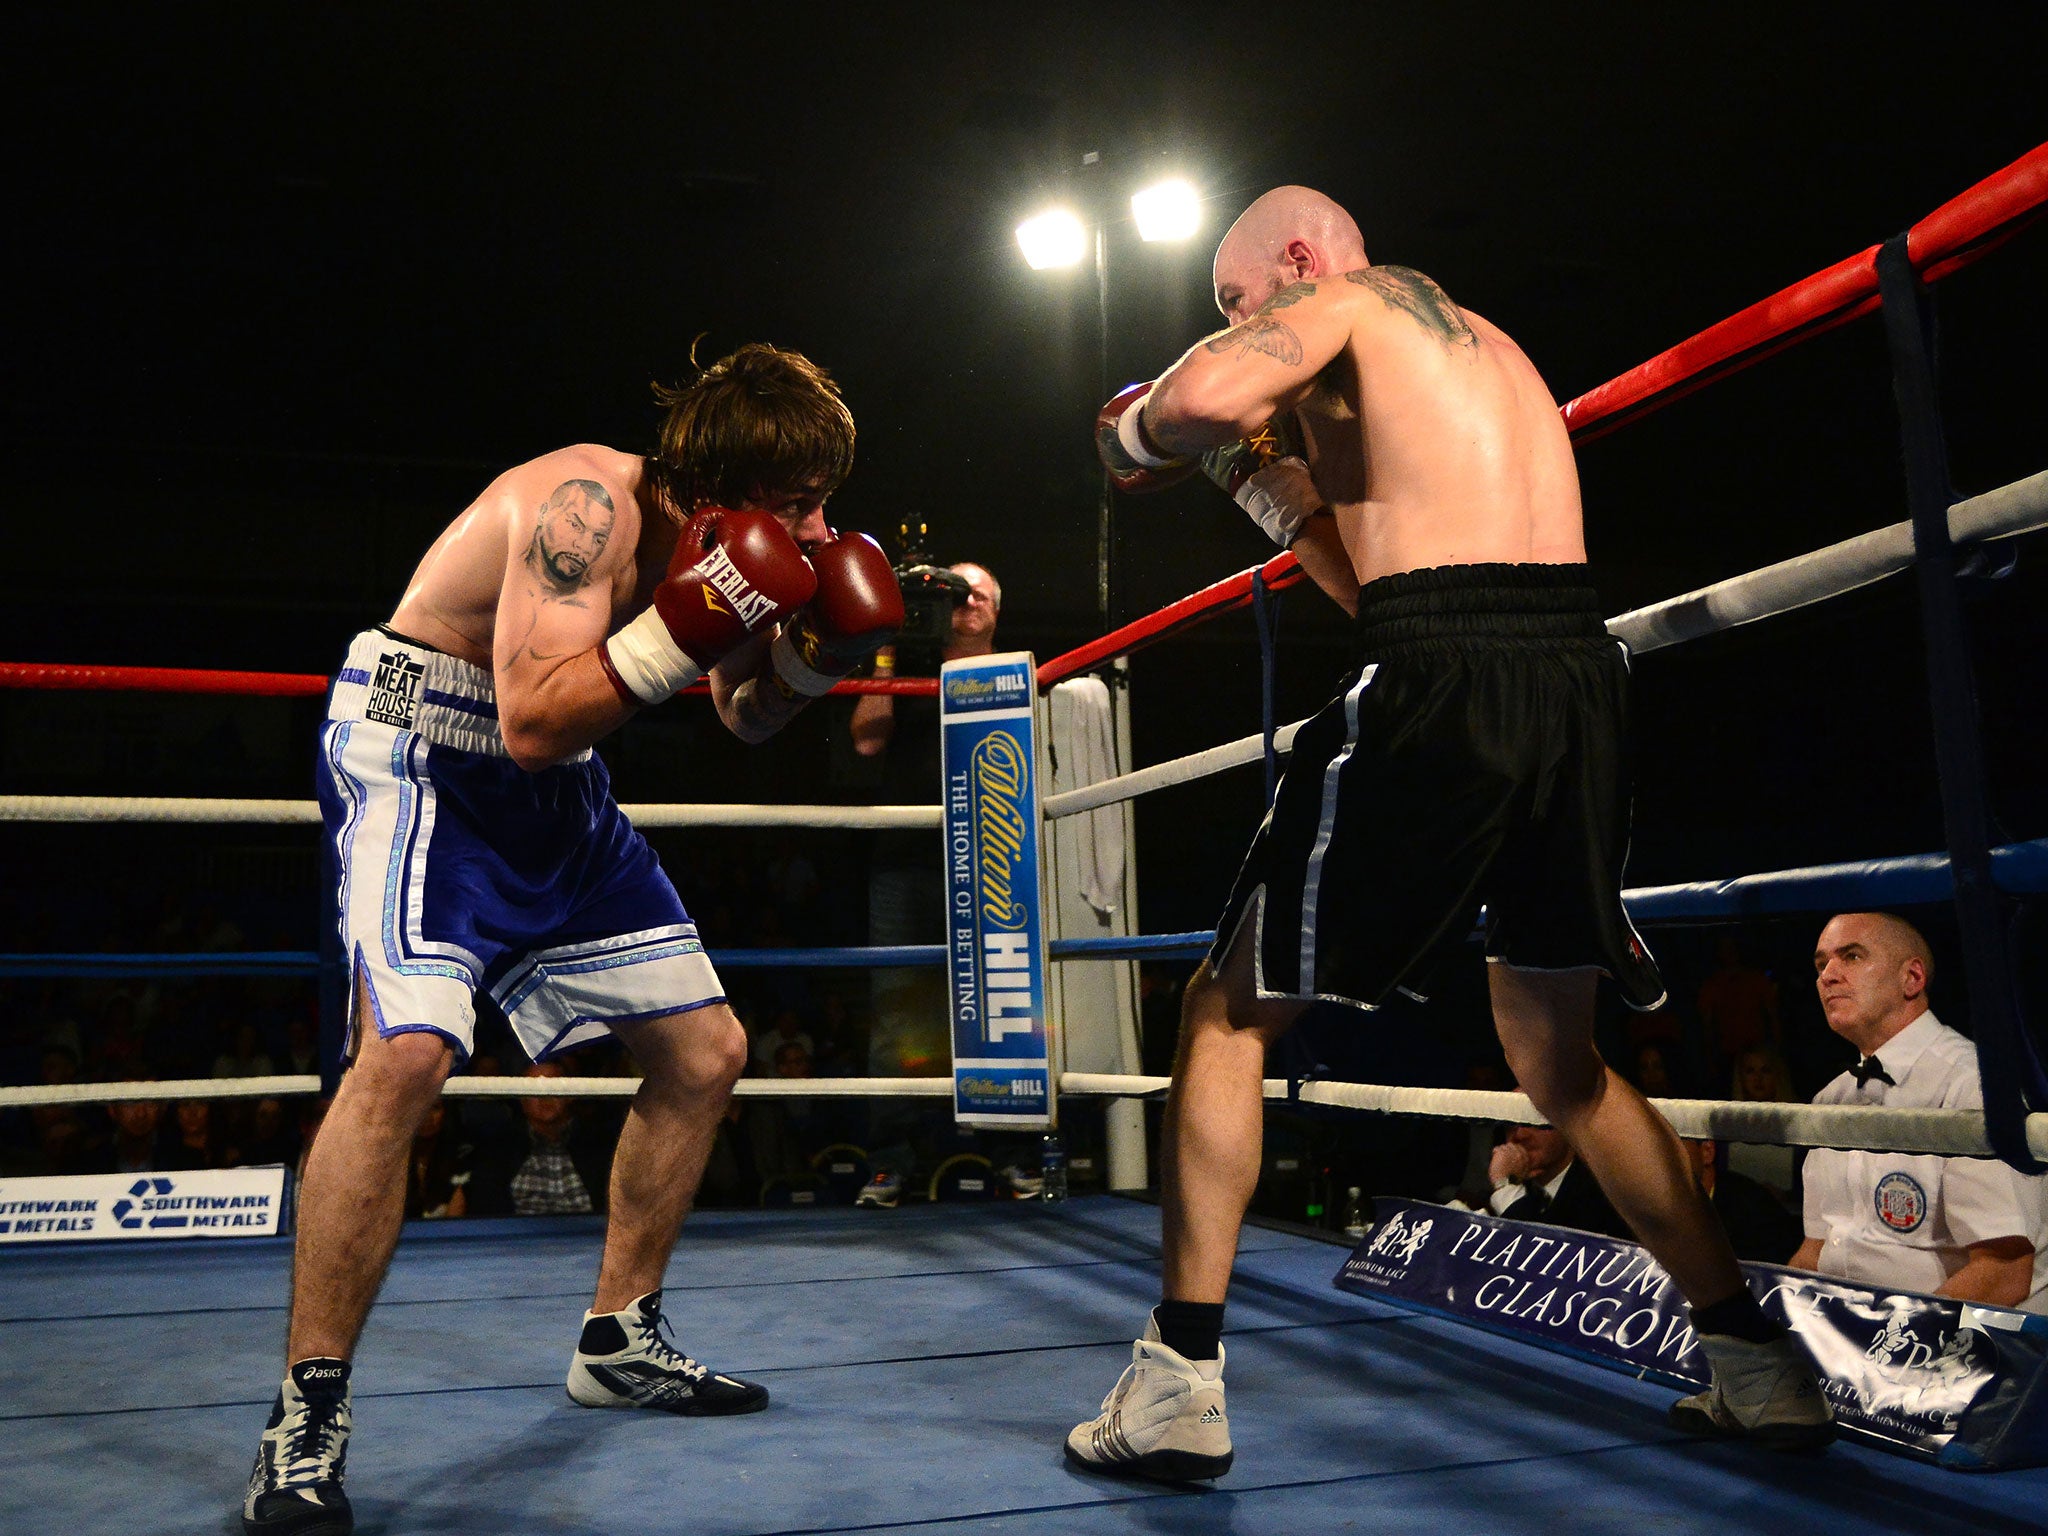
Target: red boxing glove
(858, 608)
(1135, 463)
(732, 576)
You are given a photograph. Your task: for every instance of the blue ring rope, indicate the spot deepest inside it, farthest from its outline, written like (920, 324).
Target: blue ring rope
(2019, 869)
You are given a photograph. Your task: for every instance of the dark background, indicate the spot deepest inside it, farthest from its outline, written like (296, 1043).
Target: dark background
(293, 283)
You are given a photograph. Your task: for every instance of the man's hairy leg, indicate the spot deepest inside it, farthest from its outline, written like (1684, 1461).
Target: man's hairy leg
(690, 1062)
(1545, 1020)
(1215, 1124)
(352, 1201)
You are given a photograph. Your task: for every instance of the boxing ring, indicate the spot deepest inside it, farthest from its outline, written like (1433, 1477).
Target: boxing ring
(926, 1363)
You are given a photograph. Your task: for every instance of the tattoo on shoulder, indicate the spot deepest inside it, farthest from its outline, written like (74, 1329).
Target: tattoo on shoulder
(1262, 333)
(1419, 298)
(569, 535)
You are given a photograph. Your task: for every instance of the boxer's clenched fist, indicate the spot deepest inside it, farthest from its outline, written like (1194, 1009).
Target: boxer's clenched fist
(732, 576)
(1135, 463)
(1267, 476)
(858, 608)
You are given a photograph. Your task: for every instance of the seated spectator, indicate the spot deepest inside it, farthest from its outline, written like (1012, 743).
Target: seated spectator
(779, 1131)
(1537, 1177)
(1652, 1072)
(1761, 1078)
(437, 1178)
(117, 1051)
(138, 1142)
(194, 1143)
(248, 1058)
(1758, 1226)
(1738, 1004)
(302, 1043)
(554, 1161)
(65, 1141)
(1965, 1227)
(271, 1136)
(787, 1029)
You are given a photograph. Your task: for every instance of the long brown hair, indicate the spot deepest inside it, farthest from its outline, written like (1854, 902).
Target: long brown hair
(759, 422)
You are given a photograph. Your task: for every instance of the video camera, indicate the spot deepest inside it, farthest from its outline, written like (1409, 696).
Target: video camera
(930, 594)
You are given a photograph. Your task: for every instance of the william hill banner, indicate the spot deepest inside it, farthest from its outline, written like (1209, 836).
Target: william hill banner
(995, 939)
(1965, 1385)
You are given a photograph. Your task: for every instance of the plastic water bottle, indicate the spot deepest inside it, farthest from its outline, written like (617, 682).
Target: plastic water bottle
(1354, 1213)
(1052, 1167)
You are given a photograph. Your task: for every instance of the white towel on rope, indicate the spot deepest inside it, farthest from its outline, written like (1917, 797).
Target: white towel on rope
(1085, 729)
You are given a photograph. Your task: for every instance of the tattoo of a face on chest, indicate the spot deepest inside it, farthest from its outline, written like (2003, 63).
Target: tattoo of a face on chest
(1419, 298)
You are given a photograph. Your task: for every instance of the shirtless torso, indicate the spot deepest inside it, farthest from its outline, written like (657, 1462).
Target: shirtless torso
(555, 555)
(1433, 439)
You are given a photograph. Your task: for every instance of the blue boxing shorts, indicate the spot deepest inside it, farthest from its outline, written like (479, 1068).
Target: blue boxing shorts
(460, 872)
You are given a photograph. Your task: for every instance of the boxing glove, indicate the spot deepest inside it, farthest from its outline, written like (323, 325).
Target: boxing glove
(732, 576)
(1135, 463)
(858, 607)
(1267, 476)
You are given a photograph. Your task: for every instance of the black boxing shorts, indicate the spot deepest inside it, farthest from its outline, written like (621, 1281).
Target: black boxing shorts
(1477, 756)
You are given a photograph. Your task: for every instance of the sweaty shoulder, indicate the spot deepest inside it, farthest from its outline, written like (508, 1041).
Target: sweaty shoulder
(1418, 300)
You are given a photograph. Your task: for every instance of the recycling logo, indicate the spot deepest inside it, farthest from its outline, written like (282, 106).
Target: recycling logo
(128, 1215)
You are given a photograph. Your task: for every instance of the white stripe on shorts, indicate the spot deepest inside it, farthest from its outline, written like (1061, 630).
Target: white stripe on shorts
(1312, 880)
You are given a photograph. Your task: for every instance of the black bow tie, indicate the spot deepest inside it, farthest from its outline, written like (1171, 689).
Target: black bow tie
(1868, 1068)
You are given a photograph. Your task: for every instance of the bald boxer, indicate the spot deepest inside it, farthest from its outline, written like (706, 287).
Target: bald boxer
(1410, 455)
(480, 850)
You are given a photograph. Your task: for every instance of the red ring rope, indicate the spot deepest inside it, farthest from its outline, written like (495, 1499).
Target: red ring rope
(1954, 235)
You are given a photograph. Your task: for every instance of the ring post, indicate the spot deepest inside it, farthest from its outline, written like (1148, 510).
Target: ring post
(2010, 1070)
(1003, 1056)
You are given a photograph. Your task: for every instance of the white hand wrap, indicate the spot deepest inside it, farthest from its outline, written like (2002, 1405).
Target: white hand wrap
(1281, 498)
(794, 670)
(648, 660)
(1131, 434)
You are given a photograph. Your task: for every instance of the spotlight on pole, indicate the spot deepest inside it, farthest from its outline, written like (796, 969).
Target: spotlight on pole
(1054, 239)
(1168, 210)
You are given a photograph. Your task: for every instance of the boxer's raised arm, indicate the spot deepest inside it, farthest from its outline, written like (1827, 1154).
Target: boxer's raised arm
(554, 607)
(1229, 386)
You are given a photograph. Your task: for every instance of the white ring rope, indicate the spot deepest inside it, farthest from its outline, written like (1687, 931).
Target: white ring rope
(1177, 770)
(1947, 1132)
(2020, 507)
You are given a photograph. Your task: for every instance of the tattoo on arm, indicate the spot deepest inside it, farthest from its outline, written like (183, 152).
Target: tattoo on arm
(1262, 333)
(1275, 338)
(569, 535)
(1419, 298)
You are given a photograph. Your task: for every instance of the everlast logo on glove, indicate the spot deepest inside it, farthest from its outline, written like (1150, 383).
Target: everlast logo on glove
(718, 571)
(395, 690)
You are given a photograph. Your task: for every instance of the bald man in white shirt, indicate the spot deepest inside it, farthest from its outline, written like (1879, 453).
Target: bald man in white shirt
(1969, 1228)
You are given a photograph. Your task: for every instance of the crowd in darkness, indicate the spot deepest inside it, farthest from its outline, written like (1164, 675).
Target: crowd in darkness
(1740, 1025)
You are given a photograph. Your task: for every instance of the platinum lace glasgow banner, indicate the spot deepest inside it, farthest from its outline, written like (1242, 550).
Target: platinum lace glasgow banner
(995, 935)
(1965, 1385)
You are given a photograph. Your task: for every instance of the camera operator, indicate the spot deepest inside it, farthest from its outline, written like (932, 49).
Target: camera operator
(906, 889)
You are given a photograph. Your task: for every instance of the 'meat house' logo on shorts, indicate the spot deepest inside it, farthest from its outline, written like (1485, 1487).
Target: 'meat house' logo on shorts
(395, 690)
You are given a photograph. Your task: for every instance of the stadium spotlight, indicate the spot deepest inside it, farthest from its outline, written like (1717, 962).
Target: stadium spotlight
(1054, 239)
(1168, 210)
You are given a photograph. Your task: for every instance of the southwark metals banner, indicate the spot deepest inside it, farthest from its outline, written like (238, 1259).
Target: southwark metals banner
(1965, 1385)
(87, 1207)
